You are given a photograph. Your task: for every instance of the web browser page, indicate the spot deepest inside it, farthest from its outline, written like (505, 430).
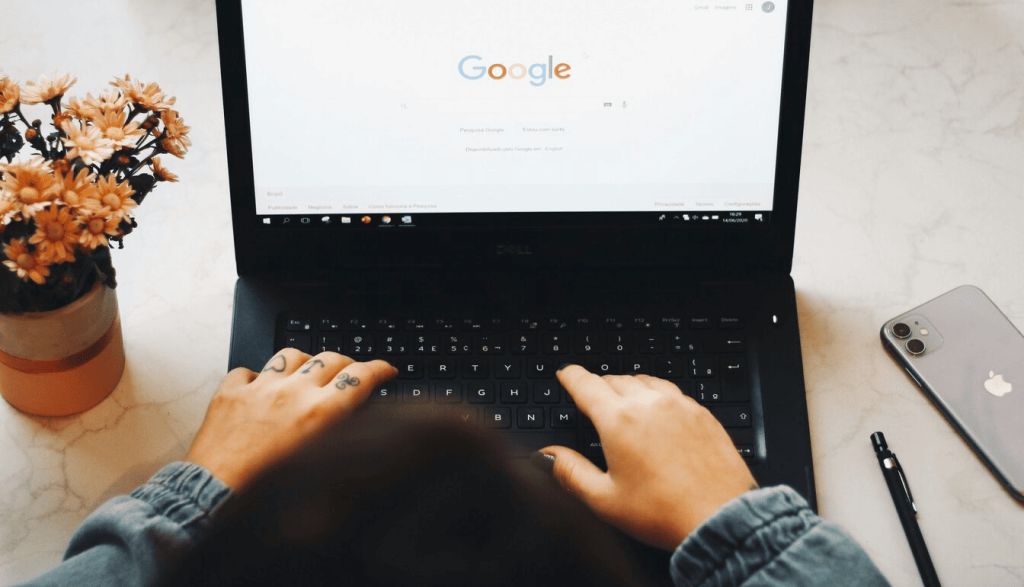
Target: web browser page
(528, 106)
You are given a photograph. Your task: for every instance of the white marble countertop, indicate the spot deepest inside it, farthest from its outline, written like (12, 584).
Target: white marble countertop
(912, 184)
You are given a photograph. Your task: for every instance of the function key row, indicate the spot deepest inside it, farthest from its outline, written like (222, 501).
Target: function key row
(703, 322)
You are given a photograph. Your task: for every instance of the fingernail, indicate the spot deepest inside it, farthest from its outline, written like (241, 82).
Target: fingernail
(544, 462)
(563, 366)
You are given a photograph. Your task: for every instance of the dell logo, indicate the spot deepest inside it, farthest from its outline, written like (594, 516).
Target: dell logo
(513, 250)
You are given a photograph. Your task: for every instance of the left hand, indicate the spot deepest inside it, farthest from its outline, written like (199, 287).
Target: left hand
(257, 420)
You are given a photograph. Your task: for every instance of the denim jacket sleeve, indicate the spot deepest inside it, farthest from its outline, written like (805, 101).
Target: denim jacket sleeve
(133, 540)
(768, 538)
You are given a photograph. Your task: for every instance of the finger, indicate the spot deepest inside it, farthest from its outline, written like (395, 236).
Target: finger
(624, 384)
(580, 477)
(284, 363)
(238, 376)
(591, 393)
(659, 384)
(324, 367)
(350, 388)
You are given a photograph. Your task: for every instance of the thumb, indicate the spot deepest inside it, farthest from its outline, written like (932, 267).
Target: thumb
(579, 476)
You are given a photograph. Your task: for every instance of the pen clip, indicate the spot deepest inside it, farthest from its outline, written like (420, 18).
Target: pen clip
(892, 463)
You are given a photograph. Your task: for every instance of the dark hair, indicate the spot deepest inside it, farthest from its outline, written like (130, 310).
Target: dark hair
(408, 500)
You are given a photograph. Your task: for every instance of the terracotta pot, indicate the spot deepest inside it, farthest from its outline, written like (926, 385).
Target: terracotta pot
(64, 361)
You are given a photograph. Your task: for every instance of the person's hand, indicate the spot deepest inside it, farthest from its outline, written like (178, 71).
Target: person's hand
(255, 421)
(670, 462)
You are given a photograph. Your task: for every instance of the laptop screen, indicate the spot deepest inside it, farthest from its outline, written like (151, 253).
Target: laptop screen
(406, 114)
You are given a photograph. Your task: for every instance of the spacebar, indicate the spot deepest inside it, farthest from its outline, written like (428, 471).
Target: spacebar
(522, 444)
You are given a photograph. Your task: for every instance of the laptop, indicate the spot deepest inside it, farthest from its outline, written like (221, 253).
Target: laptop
(482, 192)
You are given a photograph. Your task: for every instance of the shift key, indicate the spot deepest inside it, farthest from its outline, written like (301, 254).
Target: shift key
(732, 416)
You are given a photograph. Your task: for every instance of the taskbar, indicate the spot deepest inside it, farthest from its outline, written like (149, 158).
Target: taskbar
(482, 220)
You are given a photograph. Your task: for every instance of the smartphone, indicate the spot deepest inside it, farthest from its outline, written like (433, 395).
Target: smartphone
(967, 356)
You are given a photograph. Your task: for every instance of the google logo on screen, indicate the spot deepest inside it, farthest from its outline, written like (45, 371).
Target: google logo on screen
(538, 72)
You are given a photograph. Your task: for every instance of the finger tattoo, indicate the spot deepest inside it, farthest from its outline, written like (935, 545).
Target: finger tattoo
(310, 364)
(276, 365)
(345, 380)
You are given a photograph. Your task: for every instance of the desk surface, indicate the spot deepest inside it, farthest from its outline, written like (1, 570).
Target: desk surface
(911, 185)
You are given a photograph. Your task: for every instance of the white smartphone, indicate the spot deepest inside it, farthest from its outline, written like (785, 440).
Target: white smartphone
(967, 356)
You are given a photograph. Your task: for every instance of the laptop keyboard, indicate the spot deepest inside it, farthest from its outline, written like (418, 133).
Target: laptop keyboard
(500, 372)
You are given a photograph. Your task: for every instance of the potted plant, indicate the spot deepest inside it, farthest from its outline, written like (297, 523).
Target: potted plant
(62, 208)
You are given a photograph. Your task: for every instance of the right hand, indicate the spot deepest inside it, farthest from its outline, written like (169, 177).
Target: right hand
(671, 465)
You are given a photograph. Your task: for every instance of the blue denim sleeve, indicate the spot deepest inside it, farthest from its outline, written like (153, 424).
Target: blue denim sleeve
(133, 540)
(767, 538)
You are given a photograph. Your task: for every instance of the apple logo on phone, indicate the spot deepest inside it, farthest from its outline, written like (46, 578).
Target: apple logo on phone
(996, 385)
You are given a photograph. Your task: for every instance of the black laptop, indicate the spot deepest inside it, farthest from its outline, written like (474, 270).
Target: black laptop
(482, 192)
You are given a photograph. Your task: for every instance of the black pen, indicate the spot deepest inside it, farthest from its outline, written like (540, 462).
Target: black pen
(896, 479)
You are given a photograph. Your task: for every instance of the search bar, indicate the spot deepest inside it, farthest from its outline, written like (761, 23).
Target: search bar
(518, 106)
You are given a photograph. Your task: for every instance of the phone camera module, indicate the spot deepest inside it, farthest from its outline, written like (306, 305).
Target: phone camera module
(915, 346)
(901, 330)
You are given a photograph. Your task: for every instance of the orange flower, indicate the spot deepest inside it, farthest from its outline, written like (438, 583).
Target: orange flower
(112, 125)
(46, 89)
(25, 264)
(161, 173)
(112, 199)
(10, 93)
(86, 142)
(148, 97)
(78, 189)
(96, 228)
(176, 140)
(30, 185)
(56, 234)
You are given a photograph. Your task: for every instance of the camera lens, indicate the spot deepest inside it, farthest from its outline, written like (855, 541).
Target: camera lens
(901, 330)
(915, 346)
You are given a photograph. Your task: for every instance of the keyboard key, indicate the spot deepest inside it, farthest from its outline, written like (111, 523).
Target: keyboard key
(684, 343)
(700, 322)
(702, 367)
(506, 368)
(298, 324)
(480, 393)
(442, 369)
(524, 344)
(619, 343)
(409, 369)
(668, 367)
(448, 393)
(329, 325)
(563, 417)
(726, 342)
(651, 343)
(415, 393)
(386, 393)
(414, 325)
(556, 344)
(426, 344)
(732, 416)
(359, 345)
(490, 344)
(498, 417)
(546, 393)
(587, 344)
(530, 417)
(298, 341)
(513, 393)
(394, 344)
(475, 368)
(707, 391)
(540, 368)
(458, 344)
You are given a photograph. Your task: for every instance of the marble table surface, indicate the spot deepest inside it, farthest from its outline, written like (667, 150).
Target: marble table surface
(912, 183)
